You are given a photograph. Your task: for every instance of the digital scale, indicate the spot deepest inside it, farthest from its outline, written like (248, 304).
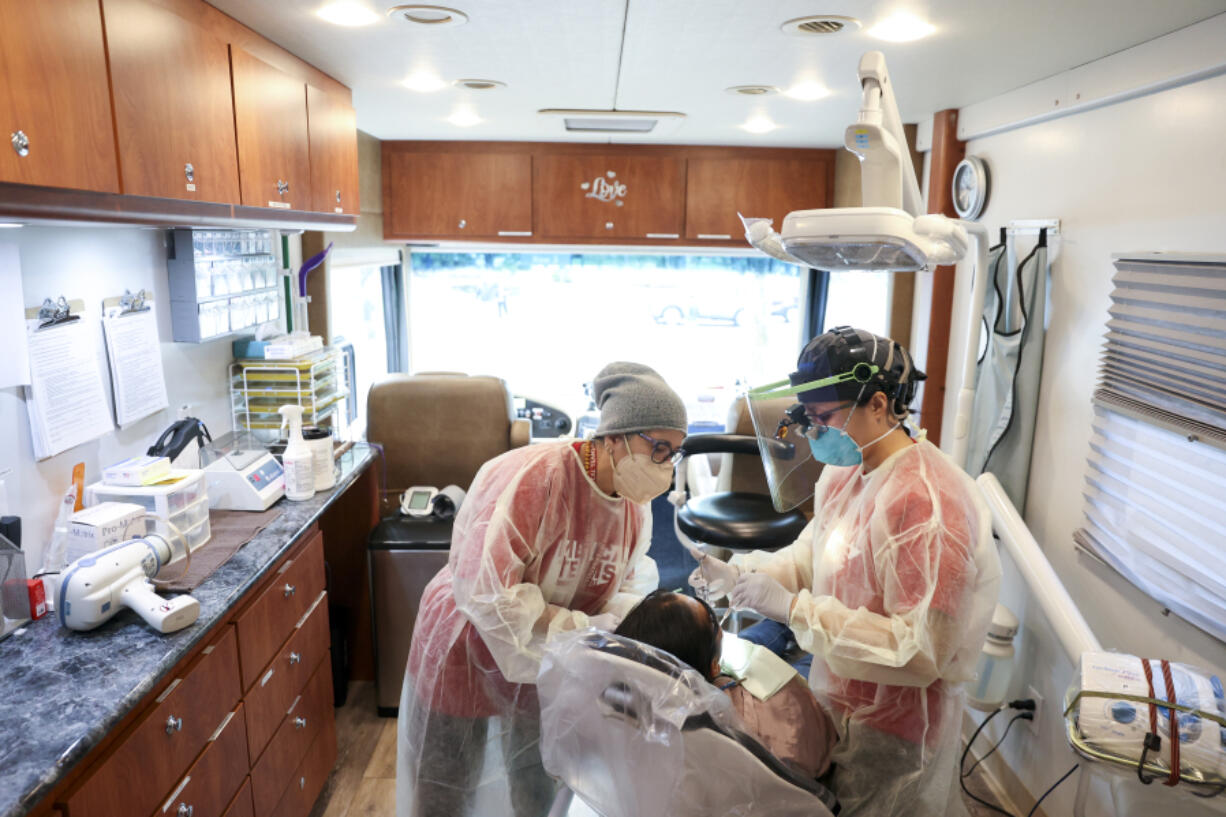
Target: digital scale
(241, 474)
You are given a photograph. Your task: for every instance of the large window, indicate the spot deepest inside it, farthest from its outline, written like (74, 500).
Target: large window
(546, 323)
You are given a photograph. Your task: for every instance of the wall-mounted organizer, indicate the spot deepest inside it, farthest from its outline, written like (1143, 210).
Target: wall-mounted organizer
(221, 281)
(317, 382)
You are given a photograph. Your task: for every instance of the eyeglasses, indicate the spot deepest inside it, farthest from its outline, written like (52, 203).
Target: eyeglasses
(662, 451)
(818, 423)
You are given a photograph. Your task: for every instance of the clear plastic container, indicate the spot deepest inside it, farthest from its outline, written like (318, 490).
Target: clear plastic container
(166, 499)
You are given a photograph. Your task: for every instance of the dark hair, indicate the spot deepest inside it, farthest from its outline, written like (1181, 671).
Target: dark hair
(664, 620)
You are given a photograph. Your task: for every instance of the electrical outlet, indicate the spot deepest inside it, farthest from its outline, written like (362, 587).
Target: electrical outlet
(1033, 725)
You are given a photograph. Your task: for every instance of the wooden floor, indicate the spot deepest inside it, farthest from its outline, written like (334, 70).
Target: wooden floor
(363, 784)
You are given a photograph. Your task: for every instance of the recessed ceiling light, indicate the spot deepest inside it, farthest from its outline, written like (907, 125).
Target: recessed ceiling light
(759, 123)
(10, 225)
(819, 24)
(901, 27)
(464, 118)
(807, 91)
(428, 16)
(349, 13)
(752, 90)
(424, 82)
(479, 84)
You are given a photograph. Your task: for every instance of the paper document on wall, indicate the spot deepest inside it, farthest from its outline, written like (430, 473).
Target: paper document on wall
(14, 362)
(66, 398)
(135, 356)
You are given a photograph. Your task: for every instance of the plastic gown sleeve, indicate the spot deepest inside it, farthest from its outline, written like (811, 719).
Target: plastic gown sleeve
(791, 566)
(642, 577)
(511, 614)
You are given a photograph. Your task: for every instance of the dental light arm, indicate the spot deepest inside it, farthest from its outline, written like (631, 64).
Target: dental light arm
(887, 174)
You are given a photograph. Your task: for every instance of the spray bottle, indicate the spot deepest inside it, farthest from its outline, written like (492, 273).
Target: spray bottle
(297, 462)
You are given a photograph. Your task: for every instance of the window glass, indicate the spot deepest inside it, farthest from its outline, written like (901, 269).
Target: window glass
(862, 300)
(546, 323)
(355, 297)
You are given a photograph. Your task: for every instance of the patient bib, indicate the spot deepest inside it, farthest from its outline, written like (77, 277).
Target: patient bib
(759, 671)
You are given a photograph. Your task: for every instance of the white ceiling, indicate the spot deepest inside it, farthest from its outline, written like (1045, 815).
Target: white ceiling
(680, 55)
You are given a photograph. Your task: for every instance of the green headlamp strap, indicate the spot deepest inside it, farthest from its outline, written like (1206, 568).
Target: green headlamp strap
(860, 373)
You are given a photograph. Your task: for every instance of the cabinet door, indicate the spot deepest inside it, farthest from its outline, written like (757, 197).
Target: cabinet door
(173, 112)
(460, 195)
(609, 196)
(334, 152)
(270, 119)
(55, 105)
(717, 189)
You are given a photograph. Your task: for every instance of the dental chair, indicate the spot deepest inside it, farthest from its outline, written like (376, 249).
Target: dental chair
(635, 733)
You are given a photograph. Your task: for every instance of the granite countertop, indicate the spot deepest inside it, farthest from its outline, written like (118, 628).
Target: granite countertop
(63, 691)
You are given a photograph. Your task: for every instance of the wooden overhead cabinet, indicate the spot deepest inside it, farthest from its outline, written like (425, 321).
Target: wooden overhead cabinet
(609, 195)
(270, 121)
(173, 111)
(334, 152)
(55, 106)
(456, 194)
(719, 188)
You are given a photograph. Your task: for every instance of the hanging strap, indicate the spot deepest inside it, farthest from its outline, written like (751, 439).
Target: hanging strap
(1173, 779)
(1152, 741)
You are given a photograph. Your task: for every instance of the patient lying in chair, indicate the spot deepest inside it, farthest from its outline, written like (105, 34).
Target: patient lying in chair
(773, 701)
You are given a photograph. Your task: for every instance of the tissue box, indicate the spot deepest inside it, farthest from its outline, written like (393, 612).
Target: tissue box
(99, 526)
(137, 471)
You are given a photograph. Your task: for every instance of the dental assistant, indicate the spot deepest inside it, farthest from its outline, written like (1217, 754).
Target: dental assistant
(892, 584)
(551, 537)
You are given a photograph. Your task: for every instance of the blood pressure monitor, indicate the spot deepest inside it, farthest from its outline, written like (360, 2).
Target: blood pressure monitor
(418, 501)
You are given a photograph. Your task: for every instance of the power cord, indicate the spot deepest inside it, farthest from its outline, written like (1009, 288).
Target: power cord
(1035, 807)
(1026, 706)
(1021, 716)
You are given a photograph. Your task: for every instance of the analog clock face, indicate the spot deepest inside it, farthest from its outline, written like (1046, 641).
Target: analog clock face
(970, 187)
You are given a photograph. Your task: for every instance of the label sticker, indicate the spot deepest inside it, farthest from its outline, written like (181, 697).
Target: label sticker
(191, 188)
(280, 205)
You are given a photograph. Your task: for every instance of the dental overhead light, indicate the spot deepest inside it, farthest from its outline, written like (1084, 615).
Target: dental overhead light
(889, 232)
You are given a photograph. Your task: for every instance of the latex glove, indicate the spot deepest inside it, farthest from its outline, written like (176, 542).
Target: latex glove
(716, 575)
(604, 621)
(764, 595)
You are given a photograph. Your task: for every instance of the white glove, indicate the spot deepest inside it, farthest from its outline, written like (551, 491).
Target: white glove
(764, 595)
(604, 621)
(716, 575)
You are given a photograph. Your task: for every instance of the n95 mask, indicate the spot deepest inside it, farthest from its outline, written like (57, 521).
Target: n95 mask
(639, 479)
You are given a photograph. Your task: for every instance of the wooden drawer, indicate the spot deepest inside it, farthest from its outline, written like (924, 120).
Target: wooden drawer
(269, 619)
(241, 806)
(268, 701)
(137, 776)
(289, 745)
(309, 778)
(212, 780)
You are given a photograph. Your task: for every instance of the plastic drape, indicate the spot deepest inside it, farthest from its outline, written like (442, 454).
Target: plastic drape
(635, 733)
(537, 549)
(896, 579)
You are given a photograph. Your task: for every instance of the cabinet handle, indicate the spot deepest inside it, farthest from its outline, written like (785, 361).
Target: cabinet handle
(338, 197)
(173, 725)
(185, 810)
(21, 143)
(300, 723)
(608, 225)
(189, 171)
(302, 782)
(295, 658)
(463, 223)
(289, 590)
(282, 187)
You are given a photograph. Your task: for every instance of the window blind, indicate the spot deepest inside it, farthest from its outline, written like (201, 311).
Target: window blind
(1155, 508)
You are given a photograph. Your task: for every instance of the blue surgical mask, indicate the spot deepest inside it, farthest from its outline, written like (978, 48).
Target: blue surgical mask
(834, 446)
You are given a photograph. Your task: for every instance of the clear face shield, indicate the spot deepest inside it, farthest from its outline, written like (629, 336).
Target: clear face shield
(783, 430)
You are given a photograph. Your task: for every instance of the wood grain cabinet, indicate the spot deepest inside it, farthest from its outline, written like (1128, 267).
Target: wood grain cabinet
(270, 121)
(719, 188)
(174, 117)
(334, 152)
(456, 193)
(55, 106)
(614, 195)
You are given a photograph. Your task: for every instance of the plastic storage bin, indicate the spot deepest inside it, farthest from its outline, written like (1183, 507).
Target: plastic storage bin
(181, 498)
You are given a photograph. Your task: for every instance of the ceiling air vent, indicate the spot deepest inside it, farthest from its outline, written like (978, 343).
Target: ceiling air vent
(479, 84)
(820, 24)
(579, 120)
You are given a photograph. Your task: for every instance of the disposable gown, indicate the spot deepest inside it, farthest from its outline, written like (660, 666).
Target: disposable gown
(896, 579)
(536, 549)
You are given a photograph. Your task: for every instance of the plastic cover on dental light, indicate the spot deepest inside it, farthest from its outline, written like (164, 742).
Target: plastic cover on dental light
(791, 470)
(868, 239)
(1108, 712)
(636, 733)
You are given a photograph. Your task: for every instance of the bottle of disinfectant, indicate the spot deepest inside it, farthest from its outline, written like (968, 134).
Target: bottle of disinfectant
(297, 462)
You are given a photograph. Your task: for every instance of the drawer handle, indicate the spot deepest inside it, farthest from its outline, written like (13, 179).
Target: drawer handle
(300, 722)
(185, 810)
(173, 725)
(338, 197)
(463, 223)
(21, 143)
(295, 658)
(290, 590)
(282, 187)
(189, 171)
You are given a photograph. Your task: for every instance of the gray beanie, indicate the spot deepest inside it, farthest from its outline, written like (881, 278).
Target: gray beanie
(633, 397)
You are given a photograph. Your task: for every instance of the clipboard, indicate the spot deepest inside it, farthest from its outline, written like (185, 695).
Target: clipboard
(55, 313)
(129, 303)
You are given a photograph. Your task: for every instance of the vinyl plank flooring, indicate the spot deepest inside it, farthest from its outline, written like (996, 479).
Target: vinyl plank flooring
(376, 797)
(383, 762)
